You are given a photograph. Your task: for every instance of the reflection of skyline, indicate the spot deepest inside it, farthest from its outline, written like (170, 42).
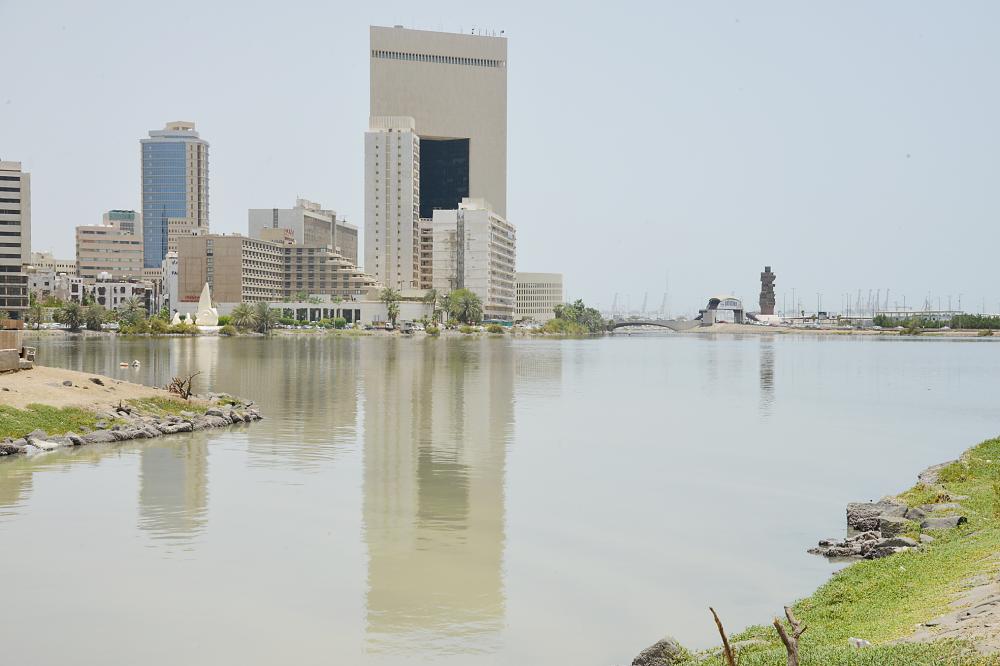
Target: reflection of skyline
(173, 487)
(433, 506)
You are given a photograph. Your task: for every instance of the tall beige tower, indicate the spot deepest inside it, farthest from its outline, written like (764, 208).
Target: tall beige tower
(454, 86)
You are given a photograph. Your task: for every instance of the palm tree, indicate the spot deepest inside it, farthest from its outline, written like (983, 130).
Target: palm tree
(466, 306)
(243, 316)
(264, 318)
(390, 297)
(132, 311)
(71, 315)
(94, 316)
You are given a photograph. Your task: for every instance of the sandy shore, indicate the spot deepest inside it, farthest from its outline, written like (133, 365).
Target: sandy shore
(46, 385)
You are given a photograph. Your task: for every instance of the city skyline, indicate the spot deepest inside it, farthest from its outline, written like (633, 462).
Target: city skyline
(767, 142)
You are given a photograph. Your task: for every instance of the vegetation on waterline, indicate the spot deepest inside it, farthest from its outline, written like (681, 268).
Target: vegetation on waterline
(574, 319)
(883, 600)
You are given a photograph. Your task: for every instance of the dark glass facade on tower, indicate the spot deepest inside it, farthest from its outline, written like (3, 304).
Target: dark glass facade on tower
(444, 174)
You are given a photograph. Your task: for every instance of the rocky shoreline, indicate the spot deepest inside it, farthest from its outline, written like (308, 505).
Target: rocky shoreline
(125, 422)
(879, 529)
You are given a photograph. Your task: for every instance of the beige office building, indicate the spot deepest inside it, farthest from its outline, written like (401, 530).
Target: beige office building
(392, 202)
(454, 86)
(239, 269)
(15, 239)
(310, 224)
(113, 247)
(537, 295)
(476, 249)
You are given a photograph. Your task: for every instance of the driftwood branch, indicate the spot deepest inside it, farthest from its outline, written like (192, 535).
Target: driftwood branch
(727, 649)
(791, 641)
(182, 385)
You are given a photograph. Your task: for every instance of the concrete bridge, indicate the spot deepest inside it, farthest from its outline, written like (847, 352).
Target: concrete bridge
(672, 324)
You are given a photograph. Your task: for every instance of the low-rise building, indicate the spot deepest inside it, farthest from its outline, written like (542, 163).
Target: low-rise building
(537, 295)
(476, 249)
(113, 247)
(321, 271)
(113, 293)
(47, 262)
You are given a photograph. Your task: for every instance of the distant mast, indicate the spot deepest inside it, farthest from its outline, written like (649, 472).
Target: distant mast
(767, 291)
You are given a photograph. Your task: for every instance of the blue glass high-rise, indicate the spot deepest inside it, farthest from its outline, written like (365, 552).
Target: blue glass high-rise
(174, 188)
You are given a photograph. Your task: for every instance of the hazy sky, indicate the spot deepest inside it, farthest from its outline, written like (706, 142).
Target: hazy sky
(847, 144)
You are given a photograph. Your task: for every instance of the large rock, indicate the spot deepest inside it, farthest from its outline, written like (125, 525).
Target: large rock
(890, 526)
(915, 514)
(863, 516)
(665, 652)
(943, 523)
(898, 542)
(99, 436)
(7, 448)
(858, 545)
(37, 434)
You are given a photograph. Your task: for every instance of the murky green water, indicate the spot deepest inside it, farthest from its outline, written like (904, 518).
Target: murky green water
(468, 501)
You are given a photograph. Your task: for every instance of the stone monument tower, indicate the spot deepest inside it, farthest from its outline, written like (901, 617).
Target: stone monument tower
(767, 291)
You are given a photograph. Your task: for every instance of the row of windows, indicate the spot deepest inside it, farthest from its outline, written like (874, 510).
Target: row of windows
(10, 178)
(445, 60)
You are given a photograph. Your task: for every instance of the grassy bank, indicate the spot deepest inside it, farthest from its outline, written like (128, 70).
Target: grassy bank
(883, 600)
(16, 423)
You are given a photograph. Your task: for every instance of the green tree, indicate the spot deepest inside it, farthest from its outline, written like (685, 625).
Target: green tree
(94, 316)
(35, 314)
(71, 315)
(466, 306)
(391, 298)
(242, 316)
(576, 316)
(264, 318)
(132, 312)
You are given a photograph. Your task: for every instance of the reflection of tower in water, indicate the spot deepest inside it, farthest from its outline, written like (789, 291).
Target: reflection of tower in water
(173, 488)
(437, 419)
(766, 376)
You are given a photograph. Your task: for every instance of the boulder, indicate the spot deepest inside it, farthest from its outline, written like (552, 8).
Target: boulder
(213, 411)
(97, 380)
(943, 523)
(863, 516)
(37, 434)
(926, 538)
(858, 545)
(8, 448)
(30, 450)
(67, 383)
(74, 438)
(215, 421)
(44, 444)
(897, 542)
(20, 442)
(915, 514)
(892, 526)
(665, 652)
(99, 436)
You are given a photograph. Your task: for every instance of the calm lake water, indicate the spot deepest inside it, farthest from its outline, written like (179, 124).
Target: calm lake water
(469, 501)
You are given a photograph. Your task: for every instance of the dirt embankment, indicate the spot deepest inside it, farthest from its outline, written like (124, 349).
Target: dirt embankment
(49, 386)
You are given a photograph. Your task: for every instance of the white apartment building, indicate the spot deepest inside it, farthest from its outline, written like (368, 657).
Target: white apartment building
(310, 224)
(113, 293)
(45, 261)
(169, 269)
(113, 247)
(15, 239)
(537, 295)
(476, 249)
(392, 202)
